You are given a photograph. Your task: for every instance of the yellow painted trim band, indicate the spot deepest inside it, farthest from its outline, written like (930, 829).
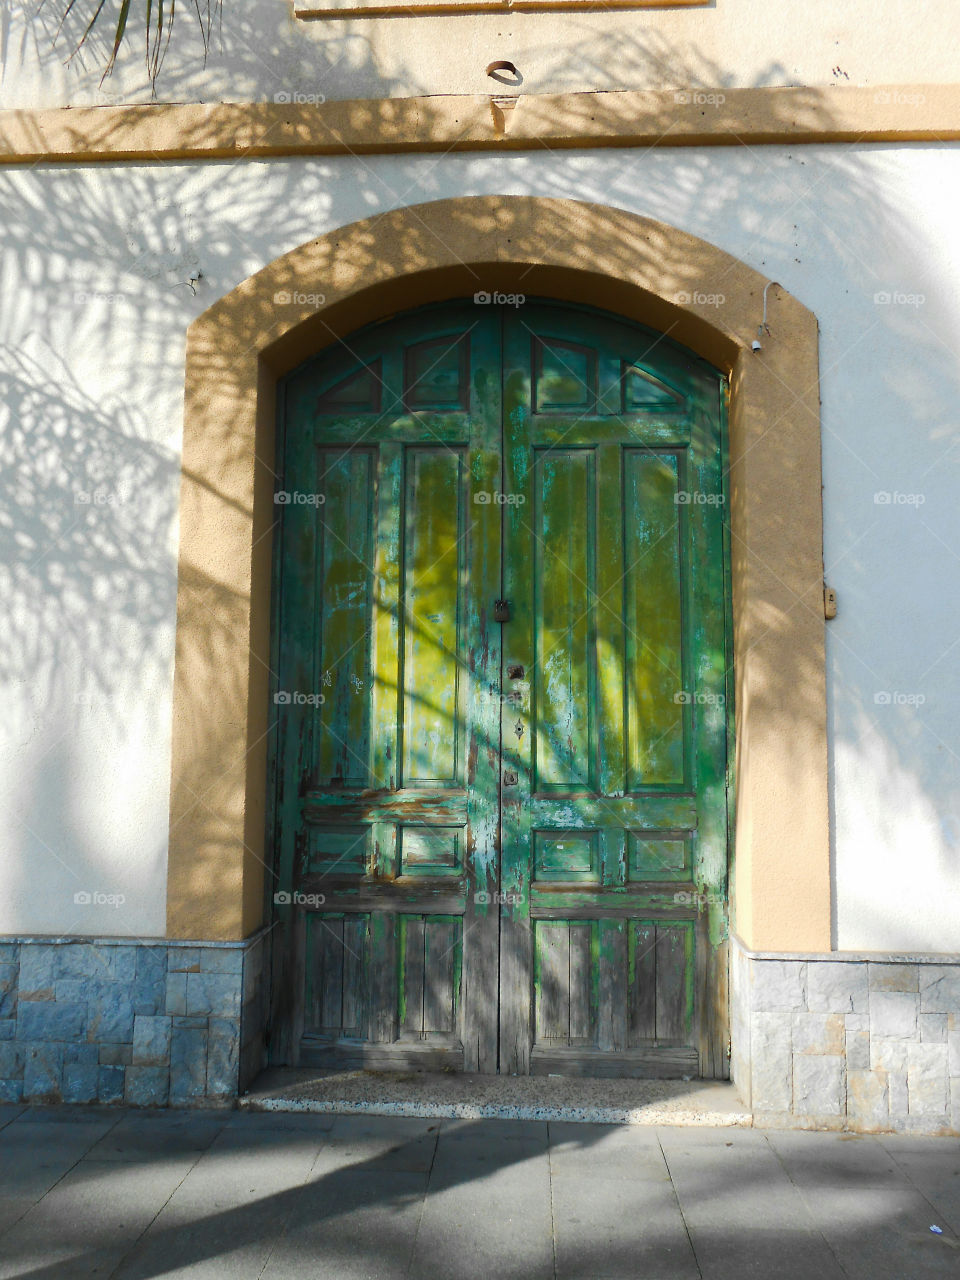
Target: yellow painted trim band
(684, 117)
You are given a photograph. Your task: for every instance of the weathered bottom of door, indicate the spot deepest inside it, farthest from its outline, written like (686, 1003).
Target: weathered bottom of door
(607, 997)
(349, 1055)
(653, 1064)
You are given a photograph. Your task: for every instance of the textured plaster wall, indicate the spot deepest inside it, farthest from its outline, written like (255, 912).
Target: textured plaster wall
(262, 50)
(96, 273)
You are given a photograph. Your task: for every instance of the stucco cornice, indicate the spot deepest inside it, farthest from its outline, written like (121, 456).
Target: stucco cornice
(630, 118)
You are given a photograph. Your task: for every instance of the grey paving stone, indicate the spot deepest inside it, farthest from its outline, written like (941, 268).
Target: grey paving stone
(162, 1135)
(487, 1221)
(36, 1150)
(835, 1159)
(86, 1223)
(587, 1151)
(745, 1217)
(319, 1123)
(226, 1216)
(617, 1227)
(933, 1167)
(353, 1226)
(880, 1234)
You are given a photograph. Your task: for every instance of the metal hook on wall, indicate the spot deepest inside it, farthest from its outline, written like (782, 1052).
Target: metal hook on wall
(763, 327)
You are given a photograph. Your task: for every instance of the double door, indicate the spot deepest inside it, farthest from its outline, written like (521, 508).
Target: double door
(500, 766)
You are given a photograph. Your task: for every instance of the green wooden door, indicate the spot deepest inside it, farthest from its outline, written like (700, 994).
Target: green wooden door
(500, 743)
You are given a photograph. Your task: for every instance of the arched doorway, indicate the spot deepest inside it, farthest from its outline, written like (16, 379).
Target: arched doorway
(501, 698)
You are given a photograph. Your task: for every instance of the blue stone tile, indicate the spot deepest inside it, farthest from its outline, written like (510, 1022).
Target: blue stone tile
(151, 1041)
(86, 1054)
(188, 1064)
(9, 953)
(44, 1020)
(42, 1073)
(110, 1084)
(90, 961)
(38, 969)
(176, 1002)
(151, 962)
(11, 1090)
(147, 1086)
(115, 1055)
(8, 1029)
(111, 1022)
(221, 959)
(12, 1058)
(8, 989)
(80, 1082)
(89, 991)
(200, 1020)
(223, 1056)
(149, 998)
(216, 994)
(183, 960)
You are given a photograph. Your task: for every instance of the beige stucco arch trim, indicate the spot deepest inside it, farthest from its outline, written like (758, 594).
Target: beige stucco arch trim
(565, 249)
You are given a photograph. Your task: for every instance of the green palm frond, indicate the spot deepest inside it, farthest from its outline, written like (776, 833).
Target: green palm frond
(155, 18)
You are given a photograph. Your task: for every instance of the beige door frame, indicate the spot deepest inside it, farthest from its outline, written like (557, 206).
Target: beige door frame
(637, 267)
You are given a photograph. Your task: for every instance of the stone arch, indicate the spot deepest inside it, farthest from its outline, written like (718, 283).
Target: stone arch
(640, 268)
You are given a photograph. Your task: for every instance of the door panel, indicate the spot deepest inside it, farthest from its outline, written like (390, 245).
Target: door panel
(482, 828)
(613, 530)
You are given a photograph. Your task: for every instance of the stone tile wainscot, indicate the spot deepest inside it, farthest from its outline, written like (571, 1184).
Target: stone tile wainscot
(113, 1020)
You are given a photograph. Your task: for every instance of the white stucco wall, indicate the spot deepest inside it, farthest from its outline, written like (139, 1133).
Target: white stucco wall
(260, 50)
(94, 275)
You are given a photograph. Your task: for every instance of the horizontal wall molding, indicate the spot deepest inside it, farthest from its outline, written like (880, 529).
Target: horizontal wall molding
(851, 957)
(459, 122)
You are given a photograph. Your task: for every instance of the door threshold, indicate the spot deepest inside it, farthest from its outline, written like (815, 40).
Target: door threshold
(457, 1096)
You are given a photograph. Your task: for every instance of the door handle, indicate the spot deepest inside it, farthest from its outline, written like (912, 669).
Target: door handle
(510, 779)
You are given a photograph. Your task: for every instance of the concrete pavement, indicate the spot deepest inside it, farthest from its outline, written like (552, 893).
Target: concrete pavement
(134, 1195)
